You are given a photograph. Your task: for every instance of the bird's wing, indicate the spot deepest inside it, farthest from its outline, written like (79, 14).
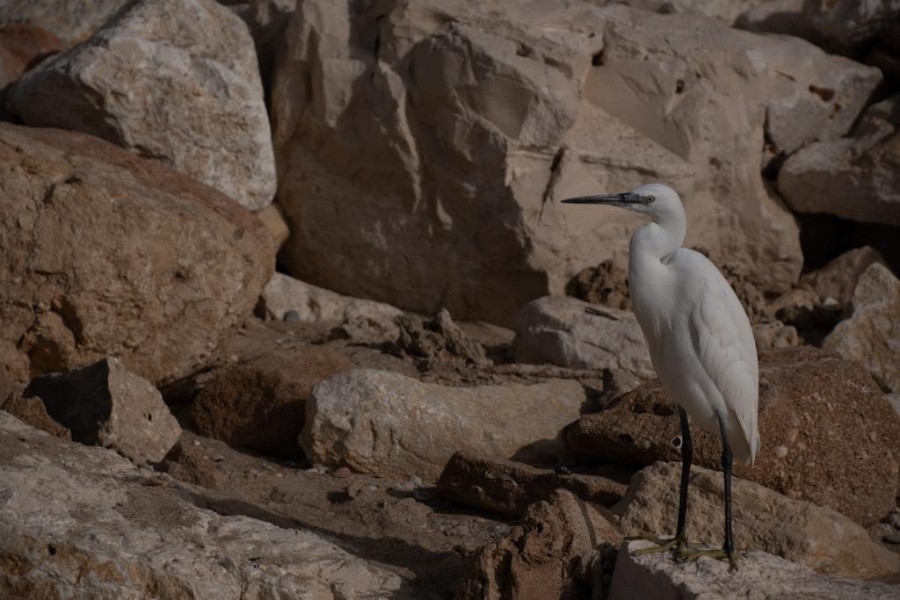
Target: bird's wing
(723, 340)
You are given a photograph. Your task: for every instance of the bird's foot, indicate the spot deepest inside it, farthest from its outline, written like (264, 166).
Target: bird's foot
(685, 555)
(662, 545)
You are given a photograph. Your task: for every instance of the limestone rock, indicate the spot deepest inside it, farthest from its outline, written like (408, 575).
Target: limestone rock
(274, 221)
(838, 278)
(606, 284)
(267, 20)
(775, 335)
(80, 522)
(554, 553)
(784, 17)
(390, 425)
(848, 24)
(572, 333)
(106, 405)
(481, 123)
(871, 335)
(509, 487)
(73, 21)
(362, 320)
(817, 537)
(828, 435)
(723, 10)
(33, 412)
(184, 91)
(436, 339)
(260, 403)
(106, 254)
(20, 47)
(659, 577)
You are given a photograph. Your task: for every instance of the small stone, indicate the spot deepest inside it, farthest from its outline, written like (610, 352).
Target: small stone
(781, 451)
(291, 316)
(342, 472)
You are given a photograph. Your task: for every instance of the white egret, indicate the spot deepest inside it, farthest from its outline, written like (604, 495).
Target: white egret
(699, 338)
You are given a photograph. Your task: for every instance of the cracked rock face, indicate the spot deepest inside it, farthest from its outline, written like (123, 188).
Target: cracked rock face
(104, 253)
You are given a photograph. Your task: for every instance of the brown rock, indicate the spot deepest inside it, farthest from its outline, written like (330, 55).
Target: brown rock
(554, 553)
(33, 412)
(606, 284)
(105, 253)
(828, 434)
(438, 338)
(838, 278)
(105, 404)
(21, 47)
(260, 404)
(509, 487)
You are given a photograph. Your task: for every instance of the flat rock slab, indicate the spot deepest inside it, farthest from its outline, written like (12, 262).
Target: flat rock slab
(387, 424)
(84, 523)
(759, 575)
(828, 434)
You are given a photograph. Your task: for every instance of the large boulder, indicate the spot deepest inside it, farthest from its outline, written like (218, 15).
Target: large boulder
(481, 124)
(871, 334)
(817, 537)
(73, 21)
(828, 434)
(387, 424)
(184, 91)
(82, 522)
(104, 253)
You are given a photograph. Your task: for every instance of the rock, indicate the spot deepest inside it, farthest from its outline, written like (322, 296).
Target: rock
(554, 553)
(817, 537)
(846, 25)
(275, 223)
(390, 425)
(104, 404)
(260, 403)
(606, 284)
(509, 488)
(571, 333)
(107, 254)
(72, 21)
(759, 575)
(894, 399)
(188, 97)
(871, 335)
(267, 20)
(828, 435)
(838, 278)
(362, 320)
(470, 170)
(854, 178)
(775, 335)
(784, 17)
(33, 412)
(439, 338)
(22, 46)
(81, 522)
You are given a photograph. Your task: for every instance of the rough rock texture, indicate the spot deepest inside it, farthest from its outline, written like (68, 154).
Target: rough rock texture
(107, 405)
(260, 403)
(775, 335)
(817, 537)
(108, 254)
(554, 553)
(387, 424)
(828, 434)
(83, 523)
(571, 333)
(437, 338)
(481, 123)
(659, 577)
(185, 92)
(274, 221)
(509, 488)
(856, 178)
(724, 10)
(847, 24)
(73, 21)
(871, 335)
(267, 20)
(33, 412)
(838, 278)
(359, 319)
(777, 16)
(606, 284)
(22, 45)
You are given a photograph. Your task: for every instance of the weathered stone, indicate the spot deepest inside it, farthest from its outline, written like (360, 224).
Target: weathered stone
(260, 403)
(439, 338)
(554, 553)
(784, 17)
(33, 412)
(606, 284)
(759, 575)
(20, 47)
(386, 424)
(509, 487)
(828, 435)
(482, 123)
(267, 20)
(838, 278)
(81, 522)
(184, 91)
(775, 335)
(846, 25)
(73, 21)
(106, 254)
(106, 405)
(817, 537)
(871, 335)
(723, 10)
(362, 320)
(274, 221)
(572, 333)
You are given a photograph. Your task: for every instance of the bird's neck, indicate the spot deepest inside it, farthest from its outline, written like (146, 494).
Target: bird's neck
(657, 240)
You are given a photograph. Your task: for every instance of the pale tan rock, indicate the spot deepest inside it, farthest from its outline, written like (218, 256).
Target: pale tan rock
(107, 254)
(776, 16)
(106, 405)
(838, 278)
(819, 538)
(661, 577)
(572, 333)
(184, 91)
(871, 335)
(274, 221)
(723, 10)
(83, 523)
(775, 335)
(390, 425)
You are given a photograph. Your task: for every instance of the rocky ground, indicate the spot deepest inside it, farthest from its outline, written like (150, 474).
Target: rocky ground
(239, 358)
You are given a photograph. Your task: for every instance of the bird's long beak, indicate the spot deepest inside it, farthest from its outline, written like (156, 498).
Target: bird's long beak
(624, 198)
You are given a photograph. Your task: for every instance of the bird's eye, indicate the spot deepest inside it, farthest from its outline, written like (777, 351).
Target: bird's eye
(650, 199)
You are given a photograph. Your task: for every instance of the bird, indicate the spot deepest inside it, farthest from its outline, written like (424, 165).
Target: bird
(700, 341)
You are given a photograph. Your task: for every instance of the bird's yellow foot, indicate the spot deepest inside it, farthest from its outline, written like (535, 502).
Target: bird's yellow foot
(662, 545)
(685, 555)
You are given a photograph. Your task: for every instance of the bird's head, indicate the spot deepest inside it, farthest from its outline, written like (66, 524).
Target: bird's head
(656, 200)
